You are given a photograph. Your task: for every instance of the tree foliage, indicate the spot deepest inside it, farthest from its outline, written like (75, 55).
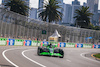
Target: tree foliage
(50, 11)
(82, 17)
(18, 6)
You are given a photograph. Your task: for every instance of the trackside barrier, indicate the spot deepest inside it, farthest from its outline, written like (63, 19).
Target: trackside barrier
(45, 42)
(3, 41)
(11, 42)
(70, 45)
(28, 42)
(54, 43)
(35, 43)
(62, 44)
(19, 42)
(79, 45)
(96, 46)
(87, 45)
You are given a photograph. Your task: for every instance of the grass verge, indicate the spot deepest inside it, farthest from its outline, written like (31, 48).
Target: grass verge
(97, 55)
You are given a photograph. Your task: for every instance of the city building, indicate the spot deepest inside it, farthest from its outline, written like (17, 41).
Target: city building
(93, 5)
(67, 13)
(93, 8)
(75, 2)
(0, 5)
(33, 13)
(40, 5)
(61, 9)
(74, 7)
(84, 4)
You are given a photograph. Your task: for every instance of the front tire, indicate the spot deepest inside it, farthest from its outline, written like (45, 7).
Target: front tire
(61, 52)
(39, 51)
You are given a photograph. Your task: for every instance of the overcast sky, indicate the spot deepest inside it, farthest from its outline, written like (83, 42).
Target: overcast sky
(34, 3)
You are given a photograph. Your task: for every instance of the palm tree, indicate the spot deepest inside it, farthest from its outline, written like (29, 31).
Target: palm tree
(18, 6)
(82, 16)
(50, 11)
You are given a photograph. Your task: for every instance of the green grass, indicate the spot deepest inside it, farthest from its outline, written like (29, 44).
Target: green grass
(97, 55)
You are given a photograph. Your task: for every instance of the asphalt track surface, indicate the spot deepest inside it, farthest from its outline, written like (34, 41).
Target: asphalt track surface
(18, 56)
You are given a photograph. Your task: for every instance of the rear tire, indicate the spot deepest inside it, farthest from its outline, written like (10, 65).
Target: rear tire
(61, 52)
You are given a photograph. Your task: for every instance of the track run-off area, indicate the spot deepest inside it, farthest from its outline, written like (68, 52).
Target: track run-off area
(24, 56)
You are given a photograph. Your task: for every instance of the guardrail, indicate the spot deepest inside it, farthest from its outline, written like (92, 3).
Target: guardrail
(22, 42)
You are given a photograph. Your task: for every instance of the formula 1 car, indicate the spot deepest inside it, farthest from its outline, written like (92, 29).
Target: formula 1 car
(50, 50)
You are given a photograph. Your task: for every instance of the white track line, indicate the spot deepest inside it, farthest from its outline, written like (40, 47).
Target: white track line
(82, 55)
(68, 60)
(31, 59)
(3, 53)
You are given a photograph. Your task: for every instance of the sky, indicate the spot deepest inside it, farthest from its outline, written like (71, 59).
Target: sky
(34, 3)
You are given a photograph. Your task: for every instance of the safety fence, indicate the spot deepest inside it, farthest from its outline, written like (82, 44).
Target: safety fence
(21, 42)
(14, 25)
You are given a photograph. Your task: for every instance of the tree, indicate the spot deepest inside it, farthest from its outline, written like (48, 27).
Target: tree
(50, 11)
(82, 17)
(18, 6)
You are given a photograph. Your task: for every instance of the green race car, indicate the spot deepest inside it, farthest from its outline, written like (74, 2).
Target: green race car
(50, 50)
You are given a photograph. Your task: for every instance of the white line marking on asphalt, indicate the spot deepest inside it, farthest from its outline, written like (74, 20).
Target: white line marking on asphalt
(3, 53)
(7, 58)
(31, 59)
(68, 60)
(88, 58)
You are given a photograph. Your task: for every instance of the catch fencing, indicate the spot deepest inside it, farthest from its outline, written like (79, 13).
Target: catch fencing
(14, 25)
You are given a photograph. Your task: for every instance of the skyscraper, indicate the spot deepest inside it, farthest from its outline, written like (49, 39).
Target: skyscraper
(33, 13)
(67, 13)
(74, 7)
(76, 2)
(40, 6)
(93, 5)
(93, 8)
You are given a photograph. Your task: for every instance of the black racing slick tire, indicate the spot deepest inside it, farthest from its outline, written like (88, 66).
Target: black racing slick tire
(39, 51)
(61, 52)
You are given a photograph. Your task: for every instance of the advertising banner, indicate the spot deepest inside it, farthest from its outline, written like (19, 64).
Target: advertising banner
(87, 45)
(11, 42)
(70, 44)
(3, 41)
(79, 45)
(62, 44)
(28, 42)
(18, 42)
(96, 46)
(36, 43)
(45, 42)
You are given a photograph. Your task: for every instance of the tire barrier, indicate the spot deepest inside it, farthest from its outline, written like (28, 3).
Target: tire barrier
(21, 42)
